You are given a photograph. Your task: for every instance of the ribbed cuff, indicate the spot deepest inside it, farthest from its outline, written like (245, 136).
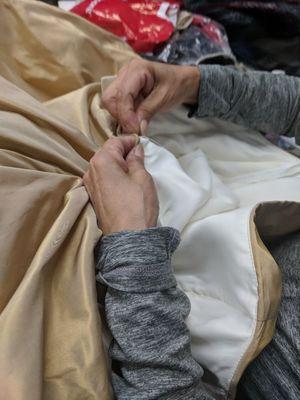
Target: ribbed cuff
(137, 261)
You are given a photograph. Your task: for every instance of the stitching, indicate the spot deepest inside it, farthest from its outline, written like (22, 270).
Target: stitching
(195, 292)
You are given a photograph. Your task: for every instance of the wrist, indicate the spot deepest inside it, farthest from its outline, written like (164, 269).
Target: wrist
(131, 225)
(122, 227)
(191, 84)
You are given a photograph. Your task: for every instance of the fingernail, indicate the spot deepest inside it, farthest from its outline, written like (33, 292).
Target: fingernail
(139, 150)
(144, 127)
(137, 138)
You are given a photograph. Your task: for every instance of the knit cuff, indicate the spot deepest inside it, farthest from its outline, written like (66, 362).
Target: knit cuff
(138, 261)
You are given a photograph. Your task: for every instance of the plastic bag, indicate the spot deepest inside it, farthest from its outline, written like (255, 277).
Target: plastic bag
(263, 34)
(143, 24)
(203, 41)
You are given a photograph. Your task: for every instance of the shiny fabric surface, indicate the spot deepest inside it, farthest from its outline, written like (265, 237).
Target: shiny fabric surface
(51, 123)
(50, 329)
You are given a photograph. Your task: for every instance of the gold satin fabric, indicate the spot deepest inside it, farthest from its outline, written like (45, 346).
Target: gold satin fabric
(50, 126)
(51, 123)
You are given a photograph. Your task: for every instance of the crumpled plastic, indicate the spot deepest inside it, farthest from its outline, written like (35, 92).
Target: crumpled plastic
(203, 41)
(142, 23)
(263, 34)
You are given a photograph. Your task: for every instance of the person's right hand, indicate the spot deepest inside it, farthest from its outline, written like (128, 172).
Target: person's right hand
(121, 190)
(142, 88)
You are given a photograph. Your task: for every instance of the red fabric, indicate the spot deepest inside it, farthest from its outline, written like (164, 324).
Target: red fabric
(135, 21)
(212, 29)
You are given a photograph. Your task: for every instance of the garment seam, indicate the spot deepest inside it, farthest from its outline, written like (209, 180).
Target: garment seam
(254, 323)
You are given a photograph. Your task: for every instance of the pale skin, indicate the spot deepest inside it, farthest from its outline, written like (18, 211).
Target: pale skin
(121, 190)
(142, 88)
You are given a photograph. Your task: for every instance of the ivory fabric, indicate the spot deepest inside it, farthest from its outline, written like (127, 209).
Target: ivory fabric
(210, 177)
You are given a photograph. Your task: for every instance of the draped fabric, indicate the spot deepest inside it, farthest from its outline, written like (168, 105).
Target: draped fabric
(210, 177)
(50, 329)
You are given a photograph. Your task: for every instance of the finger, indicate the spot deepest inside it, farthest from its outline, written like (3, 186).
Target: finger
(149, 107)
(126, 115)
(135, 85)
(135, 159)
(111, 158)
(109, 95)
(109, 99)
(129, 92)
(119, 147)
(140, 98)
(146, 90)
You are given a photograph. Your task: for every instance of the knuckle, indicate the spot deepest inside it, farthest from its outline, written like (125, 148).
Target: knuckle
(93, 159)
(96, 160)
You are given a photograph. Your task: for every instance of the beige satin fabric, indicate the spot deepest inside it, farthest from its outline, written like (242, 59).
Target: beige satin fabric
(51, 123)
(50, 329)
(49, 52)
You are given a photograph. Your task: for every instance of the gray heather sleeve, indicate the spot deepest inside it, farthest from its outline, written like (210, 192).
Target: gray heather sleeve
(146, 313)
(260, 100)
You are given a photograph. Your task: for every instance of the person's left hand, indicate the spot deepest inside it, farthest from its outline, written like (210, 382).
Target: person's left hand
(121, 190)
(142, 88)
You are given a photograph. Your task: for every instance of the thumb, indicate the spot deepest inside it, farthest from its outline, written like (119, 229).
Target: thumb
(148, 107)
(135, 159)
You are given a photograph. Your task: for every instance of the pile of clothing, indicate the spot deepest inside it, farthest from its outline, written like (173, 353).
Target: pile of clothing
(259, 34)
(263, 34)
(160, 30)
(225, 187)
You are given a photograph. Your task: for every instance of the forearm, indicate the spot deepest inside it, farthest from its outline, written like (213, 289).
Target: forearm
(146, 315)
(260, 100)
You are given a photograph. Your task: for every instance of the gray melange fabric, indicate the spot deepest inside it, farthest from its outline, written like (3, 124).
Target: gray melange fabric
(145, 310)
(275, 373)
(264, 101)
(269, 103)
(146, 315)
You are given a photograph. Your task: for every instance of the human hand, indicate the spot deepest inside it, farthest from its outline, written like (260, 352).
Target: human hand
(121, 190)
(142, 88)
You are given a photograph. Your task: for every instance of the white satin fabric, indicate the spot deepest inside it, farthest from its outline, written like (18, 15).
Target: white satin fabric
(209, 176)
